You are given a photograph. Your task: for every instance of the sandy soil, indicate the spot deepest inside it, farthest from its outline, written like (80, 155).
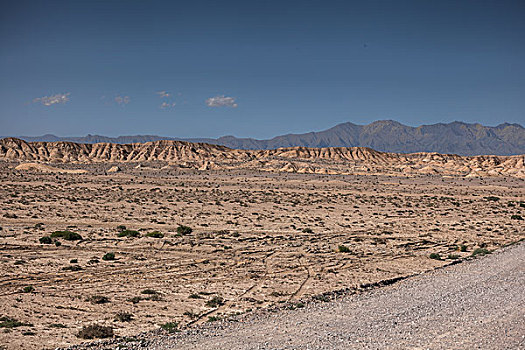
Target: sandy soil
(259, 240)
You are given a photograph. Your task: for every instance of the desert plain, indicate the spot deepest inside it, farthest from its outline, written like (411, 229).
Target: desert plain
(183, 240)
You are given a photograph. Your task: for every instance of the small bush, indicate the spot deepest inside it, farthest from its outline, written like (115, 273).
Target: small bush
(170, 327)
(98, 299)
(95, 331)
(129, 233)
(307, 230)
(343, 249)
(124, 317)
(72, 268)
(453, 256)
(73, 261)
(149, 292)
(480, 251)
(195, 296)
(121, 228)
(135, 300)
(29, 289)
(213, 318)
(492, 198)
(155, 234)
(462, 248)
(109, 256)
(435, 256)
(67, 235)
(516, 217)
(216, 301)
(45, 240)
(184, 230)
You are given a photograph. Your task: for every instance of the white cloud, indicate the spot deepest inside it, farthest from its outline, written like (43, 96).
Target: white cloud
(165, 105)
(221, 101)
(51, 100)
(163, 94)
(122, 100)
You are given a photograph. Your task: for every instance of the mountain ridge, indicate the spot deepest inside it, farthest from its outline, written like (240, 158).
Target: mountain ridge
(382, 135)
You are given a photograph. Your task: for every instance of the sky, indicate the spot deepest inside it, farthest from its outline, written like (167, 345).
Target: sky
(256, 68)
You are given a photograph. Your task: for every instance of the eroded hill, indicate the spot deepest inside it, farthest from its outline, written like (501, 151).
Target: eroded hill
(202, 156)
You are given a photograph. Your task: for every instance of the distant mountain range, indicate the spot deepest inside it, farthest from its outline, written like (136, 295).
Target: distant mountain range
(384, 135)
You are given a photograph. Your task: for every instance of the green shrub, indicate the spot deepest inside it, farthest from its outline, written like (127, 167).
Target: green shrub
(45, 240)
(121, 228)
(67, 235)
(516, 217)
(453, 256)
(170, 327)
(129, 233)
(492, 198)
(95, 331)
(109, 256)
(462, 248)
(435, 256)
(308, 230)
(29, 289)
(343, 249)
(184, 230)
(155, 234)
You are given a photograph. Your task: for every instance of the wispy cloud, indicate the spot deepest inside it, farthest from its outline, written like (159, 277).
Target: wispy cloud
(54, 99)
(122, 100)
(163, 94)
(166, 105)
(221, 101)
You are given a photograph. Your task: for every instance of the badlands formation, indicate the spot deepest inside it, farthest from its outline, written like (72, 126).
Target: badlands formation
(169, 235)
(329, 160)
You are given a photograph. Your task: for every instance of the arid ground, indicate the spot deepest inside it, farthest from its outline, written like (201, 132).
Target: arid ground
(259, 239)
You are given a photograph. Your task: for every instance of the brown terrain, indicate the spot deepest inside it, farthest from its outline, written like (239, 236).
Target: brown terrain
(269, 228)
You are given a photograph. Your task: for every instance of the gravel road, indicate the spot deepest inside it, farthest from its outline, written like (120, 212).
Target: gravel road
(478, 304)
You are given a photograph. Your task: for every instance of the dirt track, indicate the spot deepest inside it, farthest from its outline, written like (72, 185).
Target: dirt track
(477, 304)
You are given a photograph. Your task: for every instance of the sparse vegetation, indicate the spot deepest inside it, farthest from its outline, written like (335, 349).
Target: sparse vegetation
(155, 234)
(480, 251)
(45, 240)
(184, 230)
(95, 331)
(343, 249)
(28, 289)
(98, 299)
(435, 256)
(67, 235)
(216, 301)
(170, 327)
(124, 317)
(9, 322)
(109, 256)
(149, 292)
(516, 217)
(129, 233)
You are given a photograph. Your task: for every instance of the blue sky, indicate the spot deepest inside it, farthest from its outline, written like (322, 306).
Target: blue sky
(256, 68)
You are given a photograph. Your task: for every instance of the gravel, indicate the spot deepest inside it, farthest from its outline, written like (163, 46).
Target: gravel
(478, 304)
